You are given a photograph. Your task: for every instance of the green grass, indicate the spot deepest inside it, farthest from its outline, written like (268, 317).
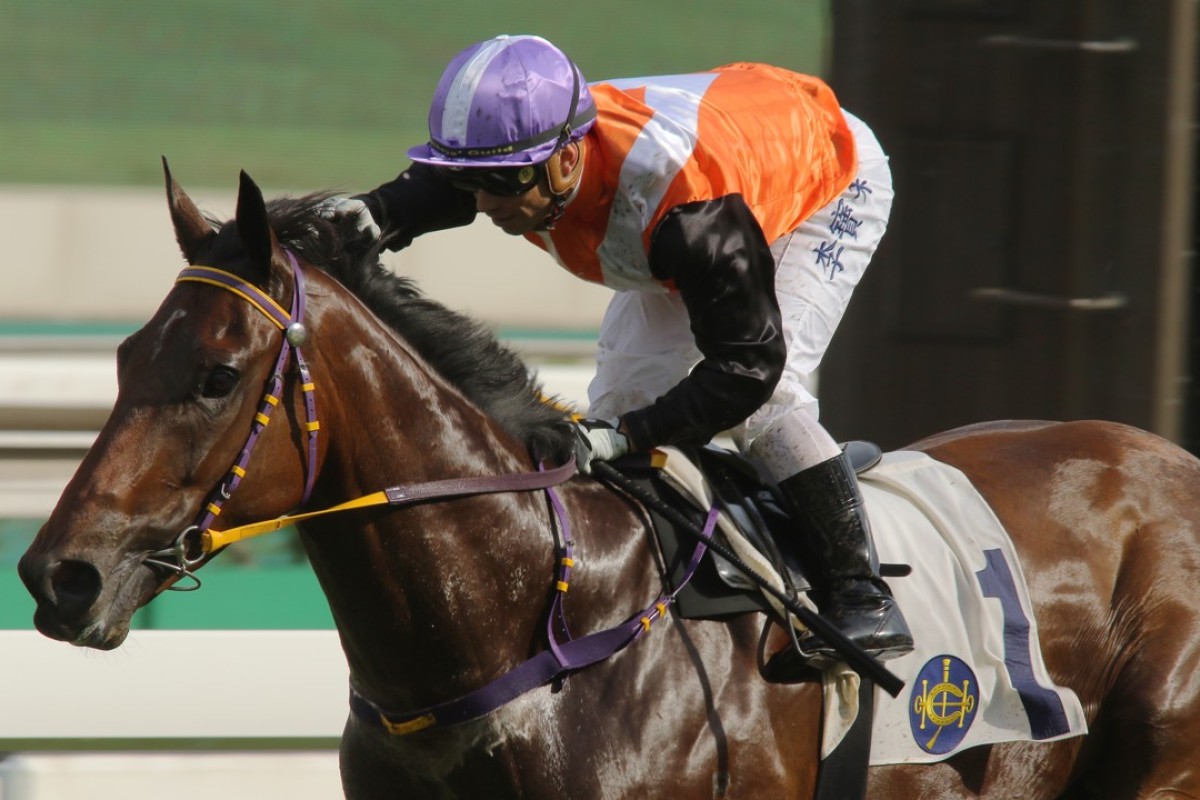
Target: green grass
(304, 94)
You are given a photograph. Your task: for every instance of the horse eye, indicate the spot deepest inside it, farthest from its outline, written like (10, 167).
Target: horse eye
(220, 382)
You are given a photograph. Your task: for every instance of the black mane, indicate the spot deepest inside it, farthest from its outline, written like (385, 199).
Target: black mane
(464, 351)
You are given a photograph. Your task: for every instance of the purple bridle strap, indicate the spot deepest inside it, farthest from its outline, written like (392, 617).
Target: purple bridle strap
(294, 334)
(292, 326)
(545, 667)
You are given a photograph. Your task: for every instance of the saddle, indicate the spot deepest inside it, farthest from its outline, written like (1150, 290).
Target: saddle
(718, 589)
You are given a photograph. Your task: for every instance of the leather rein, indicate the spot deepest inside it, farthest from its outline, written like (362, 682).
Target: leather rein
(197, 543)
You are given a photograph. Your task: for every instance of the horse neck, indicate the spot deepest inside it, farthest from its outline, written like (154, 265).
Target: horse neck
(436, 579)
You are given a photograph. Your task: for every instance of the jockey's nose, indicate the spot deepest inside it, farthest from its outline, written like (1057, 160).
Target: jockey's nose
(485, 202)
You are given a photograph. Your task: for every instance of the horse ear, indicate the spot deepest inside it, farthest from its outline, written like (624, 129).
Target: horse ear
(254, 227)
(192, 230)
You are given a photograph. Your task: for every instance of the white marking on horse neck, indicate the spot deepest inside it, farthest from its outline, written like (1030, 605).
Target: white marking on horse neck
(528, 724)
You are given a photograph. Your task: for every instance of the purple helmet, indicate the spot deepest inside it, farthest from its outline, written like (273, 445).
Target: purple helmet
(506, 101)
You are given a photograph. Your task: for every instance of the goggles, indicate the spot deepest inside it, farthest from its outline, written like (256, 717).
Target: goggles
(505, 182)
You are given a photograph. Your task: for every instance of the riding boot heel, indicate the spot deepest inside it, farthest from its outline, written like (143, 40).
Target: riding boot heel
(860, 604)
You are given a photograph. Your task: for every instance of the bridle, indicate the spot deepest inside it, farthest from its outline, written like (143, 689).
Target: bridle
(564, 656)
(180, 558)
(198, 542)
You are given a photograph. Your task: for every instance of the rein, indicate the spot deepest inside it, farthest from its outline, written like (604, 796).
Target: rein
(565, 653)
(401, 495)
(200, 536)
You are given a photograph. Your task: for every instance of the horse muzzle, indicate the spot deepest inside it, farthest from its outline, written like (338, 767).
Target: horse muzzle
(77, 604)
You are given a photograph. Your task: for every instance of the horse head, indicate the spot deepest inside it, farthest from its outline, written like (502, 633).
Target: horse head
(189, 383)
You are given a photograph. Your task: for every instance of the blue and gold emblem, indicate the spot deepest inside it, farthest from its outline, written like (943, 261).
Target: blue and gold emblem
(945, 698)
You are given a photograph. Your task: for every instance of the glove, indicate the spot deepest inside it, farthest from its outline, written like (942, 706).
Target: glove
(353, 207)
(598, 440)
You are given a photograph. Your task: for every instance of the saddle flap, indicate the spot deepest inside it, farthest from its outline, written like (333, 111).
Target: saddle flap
(718, 589)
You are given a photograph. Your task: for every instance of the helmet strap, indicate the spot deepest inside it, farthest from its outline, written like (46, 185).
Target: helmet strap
(561, 186)
(558, 207)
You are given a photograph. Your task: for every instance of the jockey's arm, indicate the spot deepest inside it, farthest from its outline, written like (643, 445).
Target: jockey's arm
(418, 201)
(718, 257)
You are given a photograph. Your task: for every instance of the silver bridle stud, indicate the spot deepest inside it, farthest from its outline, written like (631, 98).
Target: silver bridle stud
(296, 334)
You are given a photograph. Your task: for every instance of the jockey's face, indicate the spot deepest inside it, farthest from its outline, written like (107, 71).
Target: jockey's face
(516, 215)
(519, 214)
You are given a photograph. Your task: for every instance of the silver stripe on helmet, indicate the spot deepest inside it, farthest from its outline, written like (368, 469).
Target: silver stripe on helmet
(456, 114)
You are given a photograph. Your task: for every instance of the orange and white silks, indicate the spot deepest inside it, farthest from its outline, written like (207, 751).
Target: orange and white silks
(775, 137)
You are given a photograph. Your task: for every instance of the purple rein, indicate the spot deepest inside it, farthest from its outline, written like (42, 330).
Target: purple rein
(565, 654)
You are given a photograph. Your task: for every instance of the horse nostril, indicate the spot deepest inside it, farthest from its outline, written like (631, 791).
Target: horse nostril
(75, 585)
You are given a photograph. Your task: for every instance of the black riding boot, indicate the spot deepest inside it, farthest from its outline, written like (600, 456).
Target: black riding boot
(860, 604)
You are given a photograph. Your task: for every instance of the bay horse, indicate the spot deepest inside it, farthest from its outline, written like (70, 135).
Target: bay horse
(435, 599)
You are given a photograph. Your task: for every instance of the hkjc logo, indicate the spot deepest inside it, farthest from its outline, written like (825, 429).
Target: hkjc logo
(945, 698)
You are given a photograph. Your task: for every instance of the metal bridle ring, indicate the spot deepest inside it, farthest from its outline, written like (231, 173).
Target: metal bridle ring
(175, 559)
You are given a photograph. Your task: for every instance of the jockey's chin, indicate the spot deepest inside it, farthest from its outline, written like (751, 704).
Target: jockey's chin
(519, 215)
(514, 225)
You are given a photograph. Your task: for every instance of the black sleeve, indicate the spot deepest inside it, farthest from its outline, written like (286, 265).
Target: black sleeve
(416, 202)
(719, 259)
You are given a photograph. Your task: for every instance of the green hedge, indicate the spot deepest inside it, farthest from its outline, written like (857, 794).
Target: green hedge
(307, 95)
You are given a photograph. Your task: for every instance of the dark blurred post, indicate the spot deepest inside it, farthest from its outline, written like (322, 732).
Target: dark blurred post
(1038, 260)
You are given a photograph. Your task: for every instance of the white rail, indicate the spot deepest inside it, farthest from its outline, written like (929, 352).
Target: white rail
(173, 685)
(166, 713)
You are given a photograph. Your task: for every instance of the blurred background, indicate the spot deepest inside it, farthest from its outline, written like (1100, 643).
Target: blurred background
(1038, 265)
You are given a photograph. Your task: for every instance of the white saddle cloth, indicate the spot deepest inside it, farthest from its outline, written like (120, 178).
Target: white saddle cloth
(976, 675)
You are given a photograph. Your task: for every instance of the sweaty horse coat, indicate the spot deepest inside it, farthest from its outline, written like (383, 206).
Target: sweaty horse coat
(433, 600)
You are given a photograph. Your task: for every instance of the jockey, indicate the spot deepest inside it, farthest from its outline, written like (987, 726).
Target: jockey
(733, 211)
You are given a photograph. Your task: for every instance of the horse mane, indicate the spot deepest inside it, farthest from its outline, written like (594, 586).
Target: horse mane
(461, 349)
